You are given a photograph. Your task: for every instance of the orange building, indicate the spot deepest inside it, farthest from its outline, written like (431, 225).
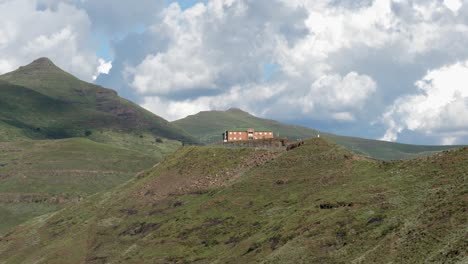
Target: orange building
(245, 134)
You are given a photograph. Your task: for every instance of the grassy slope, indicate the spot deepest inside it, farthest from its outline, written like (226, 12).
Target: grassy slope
(43, 101)
(384, 150)
(39, 102)
(67, 169)
(315, 204)
(11, 133)
(208, 126)
(38, 116)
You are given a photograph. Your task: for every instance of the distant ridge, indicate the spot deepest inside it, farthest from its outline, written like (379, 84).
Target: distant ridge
(207, 126)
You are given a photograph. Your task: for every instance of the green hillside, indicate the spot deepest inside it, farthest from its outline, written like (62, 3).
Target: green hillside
(41, 101)
(318, 203)
(42, 176)
(208, 127)
(62, 139)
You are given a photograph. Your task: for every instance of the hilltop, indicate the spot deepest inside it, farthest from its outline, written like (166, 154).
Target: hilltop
(318, 203)
(207, 127)
(41, 101)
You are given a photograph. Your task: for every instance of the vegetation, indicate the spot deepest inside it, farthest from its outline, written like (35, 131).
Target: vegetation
(40, 101)
(208, 127)
(41, 176)
(317, 203)
(62, 139)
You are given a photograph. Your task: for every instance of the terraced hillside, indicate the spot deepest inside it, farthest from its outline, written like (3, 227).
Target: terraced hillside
(208, 127)
(41, 176)
(41, 101)
(318, 203)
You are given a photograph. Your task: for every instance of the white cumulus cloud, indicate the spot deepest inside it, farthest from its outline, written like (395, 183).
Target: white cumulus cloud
(28, 32)
(103, 68)
(453, 5)
(440, 108)
(333, 94)
(218, 50)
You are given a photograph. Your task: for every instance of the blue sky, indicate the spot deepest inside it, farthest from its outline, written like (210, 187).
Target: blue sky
(384, 69)
(104, 49)
(184, 4)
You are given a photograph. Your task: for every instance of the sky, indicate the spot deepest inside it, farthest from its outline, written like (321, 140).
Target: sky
(384, 69)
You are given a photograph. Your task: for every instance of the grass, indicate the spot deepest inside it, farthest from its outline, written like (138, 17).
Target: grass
(11, 133)
(62, 139)
(13, 214)
(318, 203)
(44, 175)
(208, 127)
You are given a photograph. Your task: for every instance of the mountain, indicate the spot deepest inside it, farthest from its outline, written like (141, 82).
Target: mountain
(62, 139)
(318, 203)
(41, 101)
(208, 126)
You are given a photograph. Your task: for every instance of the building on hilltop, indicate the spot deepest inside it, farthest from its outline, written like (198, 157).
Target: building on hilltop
(245, 134)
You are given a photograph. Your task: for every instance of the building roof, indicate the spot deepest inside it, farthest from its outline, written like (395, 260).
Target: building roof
(241, 129)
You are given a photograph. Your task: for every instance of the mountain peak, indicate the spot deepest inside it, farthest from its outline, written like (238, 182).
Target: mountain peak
(43, 76)
(41, 64)
(43, 61)
(236, 110)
